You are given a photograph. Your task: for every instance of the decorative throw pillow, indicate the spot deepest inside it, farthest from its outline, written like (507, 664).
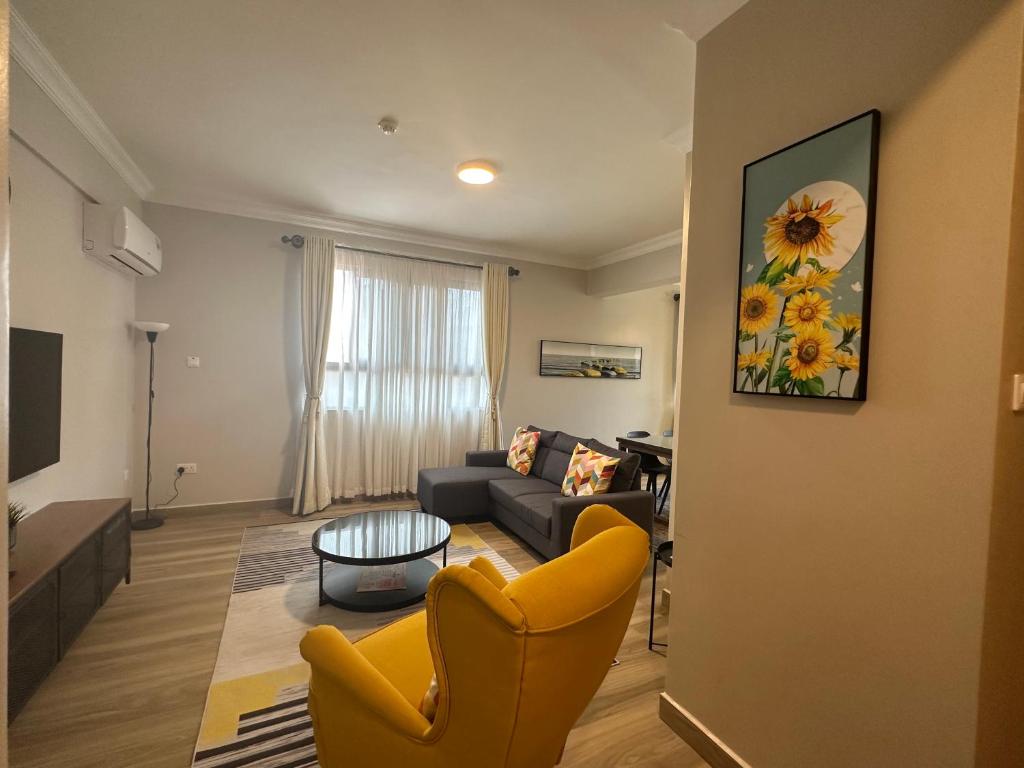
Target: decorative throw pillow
(523, 450)
(589, 472)
(428, 706)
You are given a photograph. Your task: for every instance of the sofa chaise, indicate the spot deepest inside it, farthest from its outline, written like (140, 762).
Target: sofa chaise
(532, 506)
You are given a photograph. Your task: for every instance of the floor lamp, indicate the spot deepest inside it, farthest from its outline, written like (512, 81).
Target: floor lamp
(151, 330)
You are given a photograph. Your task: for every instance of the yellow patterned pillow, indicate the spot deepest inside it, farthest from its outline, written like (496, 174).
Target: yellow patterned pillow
(589, 472)
(523, 450)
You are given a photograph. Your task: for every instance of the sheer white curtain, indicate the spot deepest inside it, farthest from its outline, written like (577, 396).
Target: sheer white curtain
(405, 381)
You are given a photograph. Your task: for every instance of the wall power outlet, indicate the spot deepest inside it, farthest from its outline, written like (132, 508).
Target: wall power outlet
(187, 468)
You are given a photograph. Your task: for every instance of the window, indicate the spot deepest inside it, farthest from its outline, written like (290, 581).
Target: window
(405, 331)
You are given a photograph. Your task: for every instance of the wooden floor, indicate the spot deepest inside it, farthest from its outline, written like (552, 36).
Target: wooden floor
(130, 693)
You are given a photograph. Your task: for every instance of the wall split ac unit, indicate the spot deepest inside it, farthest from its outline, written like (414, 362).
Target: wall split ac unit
(118, 238)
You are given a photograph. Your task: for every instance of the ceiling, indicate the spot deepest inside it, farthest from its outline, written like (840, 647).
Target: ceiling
(584, 105)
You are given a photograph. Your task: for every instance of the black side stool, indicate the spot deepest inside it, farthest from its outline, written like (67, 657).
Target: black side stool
(662, 553)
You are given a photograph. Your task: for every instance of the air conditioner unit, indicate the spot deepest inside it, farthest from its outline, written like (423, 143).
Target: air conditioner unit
(117, 237)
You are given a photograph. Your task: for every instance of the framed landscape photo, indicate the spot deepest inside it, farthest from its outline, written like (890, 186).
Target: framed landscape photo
(806, 249)
(572, 359)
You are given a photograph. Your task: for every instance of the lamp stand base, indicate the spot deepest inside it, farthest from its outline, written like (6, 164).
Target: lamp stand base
(147, 523)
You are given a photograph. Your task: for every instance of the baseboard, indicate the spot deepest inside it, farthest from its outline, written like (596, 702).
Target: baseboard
(227, 506)
(691, 730)
(281, 503)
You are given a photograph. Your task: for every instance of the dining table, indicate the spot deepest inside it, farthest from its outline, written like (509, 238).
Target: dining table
(655, 445)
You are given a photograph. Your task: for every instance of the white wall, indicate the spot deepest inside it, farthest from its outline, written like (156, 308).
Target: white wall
(828, 591)
(552, 303)
(230, 291)
(54, 287)
(1000, 704)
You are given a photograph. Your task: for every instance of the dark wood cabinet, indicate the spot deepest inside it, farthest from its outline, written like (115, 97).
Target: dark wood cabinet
(69, 558)
(79, 591)
(115, 552)
(34, 648)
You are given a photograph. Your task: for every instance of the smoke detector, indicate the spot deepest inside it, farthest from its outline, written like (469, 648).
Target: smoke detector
(388, 126)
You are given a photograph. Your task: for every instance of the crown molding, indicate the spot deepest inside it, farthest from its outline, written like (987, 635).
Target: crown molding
(403, 236)
(28, 50)
(669, 239)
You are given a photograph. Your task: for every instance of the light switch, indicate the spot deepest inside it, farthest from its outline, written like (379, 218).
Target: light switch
(1018, 392)
(192, 361)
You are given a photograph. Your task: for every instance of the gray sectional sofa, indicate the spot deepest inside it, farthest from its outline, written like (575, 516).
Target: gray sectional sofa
(532, 506)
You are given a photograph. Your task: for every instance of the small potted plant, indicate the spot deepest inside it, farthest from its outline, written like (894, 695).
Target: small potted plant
(16, 512)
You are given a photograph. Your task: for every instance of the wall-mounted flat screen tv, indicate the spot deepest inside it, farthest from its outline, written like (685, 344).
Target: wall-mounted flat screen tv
(35, 376)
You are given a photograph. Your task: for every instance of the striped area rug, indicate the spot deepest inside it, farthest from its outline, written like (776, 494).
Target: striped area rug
(255, 713)
(279, 735)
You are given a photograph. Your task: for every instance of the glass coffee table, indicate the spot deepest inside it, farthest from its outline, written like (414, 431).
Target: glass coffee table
(385, 537)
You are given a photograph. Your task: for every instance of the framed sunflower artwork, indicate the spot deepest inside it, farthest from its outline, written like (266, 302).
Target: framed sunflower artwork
(806, 250)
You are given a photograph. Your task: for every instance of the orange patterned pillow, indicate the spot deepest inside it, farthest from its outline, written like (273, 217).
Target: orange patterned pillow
(589, 472)
(523, 450)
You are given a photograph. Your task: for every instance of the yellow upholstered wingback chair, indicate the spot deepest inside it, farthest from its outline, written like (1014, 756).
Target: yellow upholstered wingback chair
(517, 662)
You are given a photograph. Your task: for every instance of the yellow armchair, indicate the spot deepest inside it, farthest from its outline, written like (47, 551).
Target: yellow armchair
(516, 662)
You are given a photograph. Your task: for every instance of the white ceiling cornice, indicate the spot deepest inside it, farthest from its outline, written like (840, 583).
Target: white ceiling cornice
(402, 235)
(669, 239)
(28, 50)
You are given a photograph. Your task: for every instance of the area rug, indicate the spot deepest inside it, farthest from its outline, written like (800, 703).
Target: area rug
(255, 713)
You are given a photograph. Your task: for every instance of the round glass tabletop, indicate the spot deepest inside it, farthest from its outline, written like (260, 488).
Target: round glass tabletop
(381, 537)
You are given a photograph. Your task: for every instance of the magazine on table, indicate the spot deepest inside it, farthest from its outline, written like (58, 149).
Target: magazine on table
(382, 578)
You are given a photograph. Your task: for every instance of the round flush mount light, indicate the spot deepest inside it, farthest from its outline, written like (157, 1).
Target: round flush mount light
(476, 172)
(388, 126)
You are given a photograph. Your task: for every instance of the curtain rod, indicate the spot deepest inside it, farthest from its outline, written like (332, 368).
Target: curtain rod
(297, 241)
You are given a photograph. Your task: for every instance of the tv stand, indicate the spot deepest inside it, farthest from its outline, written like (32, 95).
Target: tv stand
(69, 558)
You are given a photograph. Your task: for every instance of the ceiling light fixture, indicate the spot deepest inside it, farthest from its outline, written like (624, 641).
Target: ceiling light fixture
(388, 126)
(476, 172)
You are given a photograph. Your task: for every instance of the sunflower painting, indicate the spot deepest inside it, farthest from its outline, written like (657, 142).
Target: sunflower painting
(805, 266)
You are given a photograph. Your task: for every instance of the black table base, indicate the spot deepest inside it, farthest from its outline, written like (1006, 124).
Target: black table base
(338, 585)
(348, 545)
(662, 553)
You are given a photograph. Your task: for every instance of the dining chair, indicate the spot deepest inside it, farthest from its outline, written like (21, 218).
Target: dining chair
(650, 465)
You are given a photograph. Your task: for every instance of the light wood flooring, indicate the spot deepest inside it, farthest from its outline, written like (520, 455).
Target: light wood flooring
(130, 693)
